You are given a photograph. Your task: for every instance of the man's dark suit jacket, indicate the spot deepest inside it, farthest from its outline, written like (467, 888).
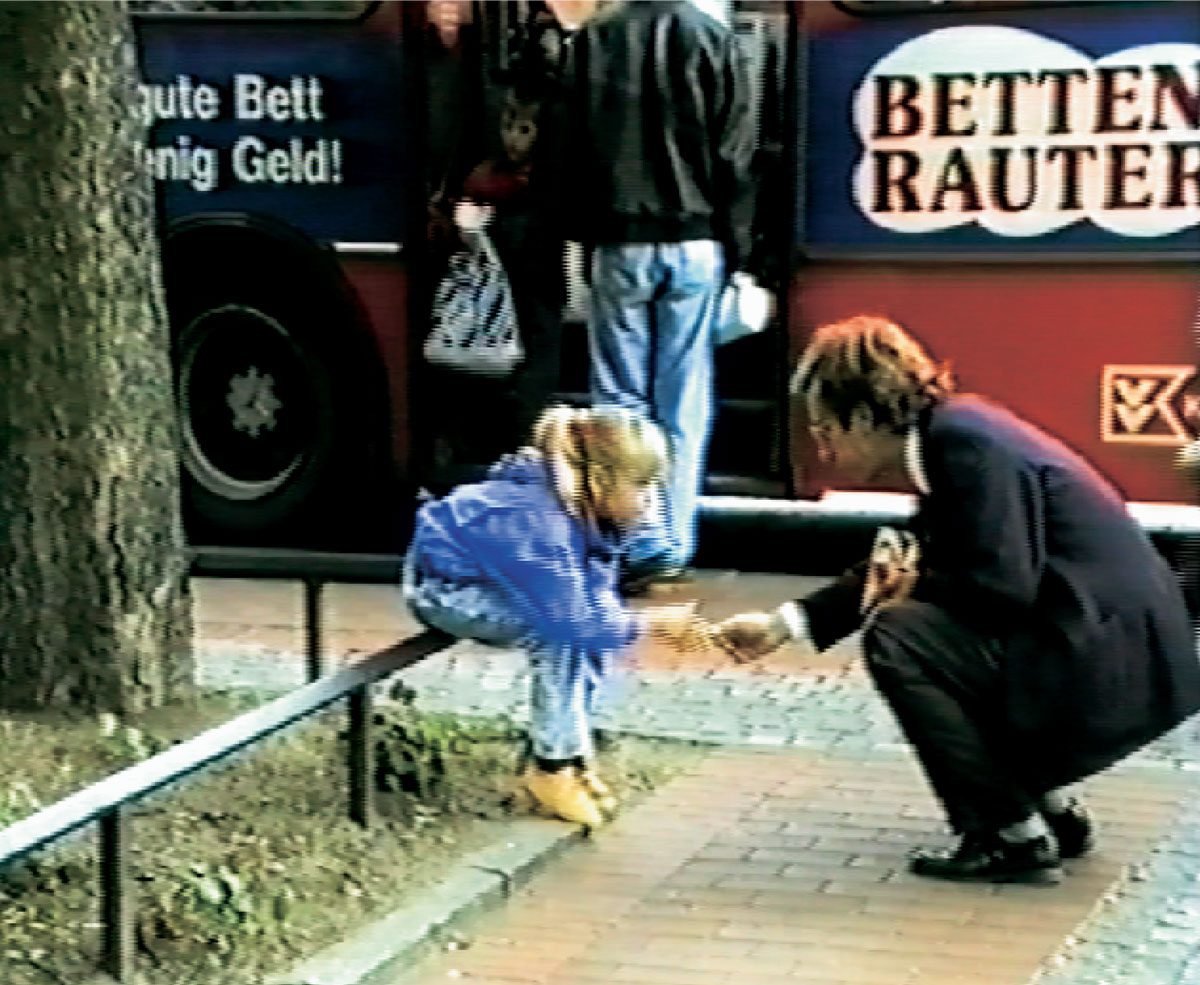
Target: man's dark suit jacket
(1026, 542)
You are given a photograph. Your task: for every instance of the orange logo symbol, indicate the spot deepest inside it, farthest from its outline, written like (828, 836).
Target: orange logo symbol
(1137, 404)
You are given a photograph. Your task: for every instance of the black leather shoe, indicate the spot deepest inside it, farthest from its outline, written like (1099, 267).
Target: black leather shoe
(989, 858)
(1072, 830)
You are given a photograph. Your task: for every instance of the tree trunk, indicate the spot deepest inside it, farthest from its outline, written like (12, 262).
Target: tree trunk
(94, 609)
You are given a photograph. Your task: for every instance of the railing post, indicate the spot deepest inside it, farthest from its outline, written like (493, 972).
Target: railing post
(312, 627)
(361, 757)
(116, 903)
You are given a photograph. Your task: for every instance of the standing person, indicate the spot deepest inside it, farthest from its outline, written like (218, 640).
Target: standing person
(1040, 639)
(451, 52)
(497, 196)
(528, 558)
(503, 194)
(658, 149)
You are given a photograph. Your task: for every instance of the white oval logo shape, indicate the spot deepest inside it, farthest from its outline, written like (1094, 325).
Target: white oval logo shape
(1024, 135)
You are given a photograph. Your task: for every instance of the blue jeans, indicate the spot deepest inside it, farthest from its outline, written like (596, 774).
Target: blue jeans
(568, 683)
(653, 306)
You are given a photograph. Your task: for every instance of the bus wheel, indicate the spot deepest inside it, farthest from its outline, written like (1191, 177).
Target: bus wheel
(283, 408)
(256, 417)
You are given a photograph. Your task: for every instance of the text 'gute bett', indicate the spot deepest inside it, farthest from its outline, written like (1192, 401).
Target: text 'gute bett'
(249, 158)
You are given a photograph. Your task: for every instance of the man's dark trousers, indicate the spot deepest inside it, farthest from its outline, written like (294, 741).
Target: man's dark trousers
(942, 681)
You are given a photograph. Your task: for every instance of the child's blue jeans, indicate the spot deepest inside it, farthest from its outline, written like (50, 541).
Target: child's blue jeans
(567, 682)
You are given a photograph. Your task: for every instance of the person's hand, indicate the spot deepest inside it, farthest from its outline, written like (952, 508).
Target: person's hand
(680, 627)
(892, 570)
(1187, 459)
(751, 635)
(745, 279)
(471, 217)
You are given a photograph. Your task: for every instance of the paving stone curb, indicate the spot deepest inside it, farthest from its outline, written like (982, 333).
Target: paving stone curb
(486, 878)
(1146, 929)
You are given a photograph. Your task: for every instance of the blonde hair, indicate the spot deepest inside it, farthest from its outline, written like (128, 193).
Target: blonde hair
(870, 362)
(595, 448)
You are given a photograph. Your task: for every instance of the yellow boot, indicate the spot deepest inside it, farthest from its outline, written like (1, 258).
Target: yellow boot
(560, 794)
(600, 791)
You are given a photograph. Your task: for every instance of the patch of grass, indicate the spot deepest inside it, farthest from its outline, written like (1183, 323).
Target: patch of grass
(254, 864)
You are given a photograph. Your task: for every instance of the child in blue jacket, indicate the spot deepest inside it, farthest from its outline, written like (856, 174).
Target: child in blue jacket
(528, 557)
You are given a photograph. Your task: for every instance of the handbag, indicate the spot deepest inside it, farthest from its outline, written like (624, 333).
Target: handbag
(743, 309)
(474, 321)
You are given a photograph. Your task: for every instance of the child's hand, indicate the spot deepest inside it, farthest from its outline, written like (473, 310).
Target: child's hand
(470, 217)
(751, 635)
(680, 627)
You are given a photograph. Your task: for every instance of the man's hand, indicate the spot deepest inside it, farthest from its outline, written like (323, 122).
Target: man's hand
(680, 627)
(892, 569)
(1187, 459)
(751, 635)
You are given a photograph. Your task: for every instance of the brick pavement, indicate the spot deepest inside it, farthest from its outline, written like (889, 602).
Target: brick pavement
(1145, 930)
(766, 867)
(780, 858)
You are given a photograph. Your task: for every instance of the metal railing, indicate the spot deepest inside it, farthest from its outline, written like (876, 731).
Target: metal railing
(109, 801)
(312, 568)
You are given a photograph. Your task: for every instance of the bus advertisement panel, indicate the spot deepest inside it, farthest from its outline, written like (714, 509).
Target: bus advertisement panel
(288, 118)
(1064, 129)
(1019, 186)
(286, 161)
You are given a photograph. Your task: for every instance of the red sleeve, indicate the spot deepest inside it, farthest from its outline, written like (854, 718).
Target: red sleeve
(487, 183)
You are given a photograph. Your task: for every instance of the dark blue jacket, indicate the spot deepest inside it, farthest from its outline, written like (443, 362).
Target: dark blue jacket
(1026, 542)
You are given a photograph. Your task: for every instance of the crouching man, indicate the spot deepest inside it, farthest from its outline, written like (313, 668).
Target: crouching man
(1026, 634)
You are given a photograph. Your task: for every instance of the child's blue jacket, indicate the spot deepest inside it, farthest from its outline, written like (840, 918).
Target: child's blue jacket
(511, 535)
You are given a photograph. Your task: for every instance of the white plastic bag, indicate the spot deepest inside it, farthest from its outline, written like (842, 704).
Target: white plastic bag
(579, 294)
(744, 309)
(474, 323)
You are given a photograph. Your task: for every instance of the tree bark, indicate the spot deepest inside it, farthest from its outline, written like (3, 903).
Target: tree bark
(94, 609)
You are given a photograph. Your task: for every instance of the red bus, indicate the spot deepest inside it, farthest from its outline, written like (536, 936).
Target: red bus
(1016, 183)
(294, 148)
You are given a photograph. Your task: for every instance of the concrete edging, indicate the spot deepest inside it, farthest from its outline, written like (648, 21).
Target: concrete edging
(480, 881)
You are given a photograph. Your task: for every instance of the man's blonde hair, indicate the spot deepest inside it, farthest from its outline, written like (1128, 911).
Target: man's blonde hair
(870, 362)
(588, 448)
